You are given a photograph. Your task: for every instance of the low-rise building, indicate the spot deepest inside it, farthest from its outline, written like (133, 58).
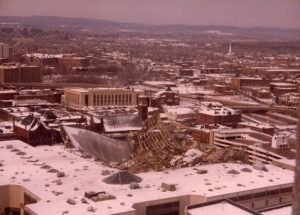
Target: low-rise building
(79, 98)
(158, 193)
(215, 113)
(279, 88)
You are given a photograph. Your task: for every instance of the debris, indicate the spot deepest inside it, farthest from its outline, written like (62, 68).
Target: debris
(91, 194)
(53, 171)
(84, 201)
(260, 167)
(105, 172)
(91, 209)
(201, 171)
(168, 187)
(46, 167)
(134, 185)
(58, 182)
(9, 147)
(61, 174)
(102, 197)
(246, 170)
(233, 171)
(71, 201)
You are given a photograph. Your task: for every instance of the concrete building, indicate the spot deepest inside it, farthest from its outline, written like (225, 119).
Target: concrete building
(99, 97)
(259, 147)
(4, 50)
(20, 74)
(32, 195)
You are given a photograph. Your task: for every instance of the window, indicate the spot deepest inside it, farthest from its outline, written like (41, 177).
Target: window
(273, 192)
(171, 208)
(108, 100)
(116, 99)
(130, 98)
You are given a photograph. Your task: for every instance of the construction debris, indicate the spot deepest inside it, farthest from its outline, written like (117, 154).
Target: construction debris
(71, 201)
(168, 187)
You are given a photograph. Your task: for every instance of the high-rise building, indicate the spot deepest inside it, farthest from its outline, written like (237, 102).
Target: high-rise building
(4, 50)
(20, 74)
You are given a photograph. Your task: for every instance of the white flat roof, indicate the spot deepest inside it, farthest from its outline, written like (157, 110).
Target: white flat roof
(85, 175)
(222, 208)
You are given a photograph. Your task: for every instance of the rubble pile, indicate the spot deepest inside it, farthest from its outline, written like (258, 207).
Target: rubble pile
(155, 150)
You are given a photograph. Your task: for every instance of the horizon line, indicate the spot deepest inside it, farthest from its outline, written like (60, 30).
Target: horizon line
(147, 24)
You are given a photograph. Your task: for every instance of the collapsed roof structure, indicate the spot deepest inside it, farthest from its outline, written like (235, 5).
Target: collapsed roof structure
(97, 145)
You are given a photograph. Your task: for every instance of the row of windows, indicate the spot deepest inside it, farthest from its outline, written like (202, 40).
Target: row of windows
(115, 99)
(262, 194)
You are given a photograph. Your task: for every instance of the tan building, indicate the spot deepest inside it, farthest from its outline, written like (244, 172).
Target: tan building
(80, 97)
(17, 74)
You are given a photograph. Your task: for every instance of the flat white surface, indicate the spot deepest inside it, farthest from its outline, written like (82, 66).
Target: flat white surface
(85, 174)
(222, 208)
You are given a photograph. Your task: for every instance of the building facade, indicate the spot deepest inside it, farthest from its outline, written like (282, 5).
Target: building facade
(4, 50)
(99, 97)
(20, 74)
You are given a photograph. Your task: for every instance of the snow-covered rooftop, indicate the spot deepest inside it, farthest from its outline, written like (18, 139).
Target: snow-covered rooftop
(84, 174)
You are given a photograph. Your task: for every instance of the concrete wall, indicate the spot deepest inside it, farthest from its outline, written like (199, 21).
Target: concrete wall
(11, 196)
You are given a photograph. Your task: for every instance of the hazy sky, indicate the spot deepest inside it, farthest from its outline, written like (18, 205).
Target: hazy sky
(272, 13)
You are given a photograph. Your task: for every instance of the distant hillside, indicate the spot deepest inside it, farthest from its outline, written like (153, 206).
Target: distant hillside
(111, 26)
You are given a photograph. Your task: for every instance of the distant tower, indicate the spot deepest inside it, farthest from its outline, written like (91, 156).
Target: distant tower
(229, 50)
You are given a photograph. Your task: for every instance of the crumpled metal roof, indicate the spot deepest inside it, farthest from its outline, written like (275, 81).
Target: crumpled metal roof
(99, 146)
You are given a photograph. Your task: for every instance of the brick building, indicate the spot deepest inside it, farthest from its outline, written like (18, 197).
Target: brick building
(19, 74)
(215, 113)
(7, 94)
(42, 59)
(223, 89)
(32, 131)
(4, 51)
(240, 82)
(163, 97)
(204, 133)
(283, 87)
